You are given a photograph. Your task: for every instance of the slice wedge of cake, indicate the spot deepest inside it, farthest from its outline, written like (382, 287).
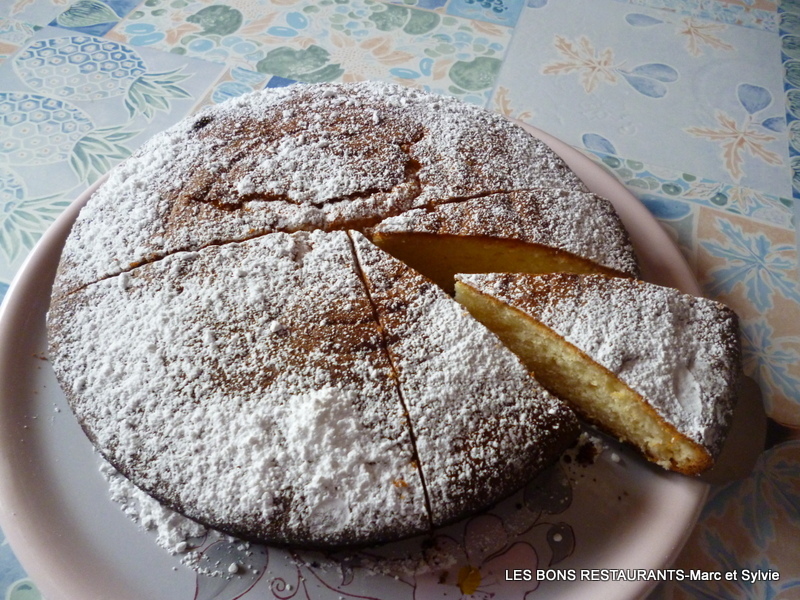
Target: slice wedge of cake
(648, 364)
(526, 231)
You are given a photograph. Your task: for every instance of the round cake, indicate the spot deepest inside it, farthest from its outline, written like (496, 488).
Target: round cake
(232, 339)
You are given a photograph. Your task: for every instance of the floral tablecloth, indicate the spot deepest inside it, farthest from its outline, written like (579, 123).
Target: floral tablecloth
(693, 104)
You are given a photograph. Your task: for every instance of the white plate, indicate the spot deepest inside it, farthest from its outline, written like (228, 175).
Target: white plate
(76, 544)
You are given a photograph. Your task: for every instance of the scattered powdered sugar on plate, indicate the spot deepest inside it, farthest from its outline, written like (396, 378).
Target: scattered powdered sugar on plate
(215, 554)
(173, 532)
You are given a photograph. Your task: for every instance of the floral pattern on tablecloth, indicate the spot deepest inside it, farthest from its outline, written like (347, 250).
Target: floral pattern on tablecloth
(744, 527)
(703, 78)
(77, 104)
(342, 40)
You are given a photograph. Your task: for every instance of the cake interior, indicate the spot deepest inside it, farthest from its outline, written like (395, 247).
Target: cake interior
(593, 392)
(440, 256)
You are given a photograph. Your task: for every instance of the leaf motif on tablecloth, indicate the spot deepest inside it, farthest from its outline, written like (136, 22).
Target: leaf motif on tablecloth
(85, 13)
(152, 92)
(595, 67)
(23, 219)
(776, 124)
(411, 21)
(754, 262)
(735, 139)
(657, 71)
(382, 48)
(753, 98)
(649, 79)
(769, 359)
(96, 152)
(641, 20)
(504, 105)
(427, 48)
(592, 65)
(703, 33)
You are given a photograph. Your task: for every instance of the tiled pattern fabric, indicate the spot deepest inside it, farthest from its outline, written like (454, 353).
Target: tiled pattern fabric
(693, 104)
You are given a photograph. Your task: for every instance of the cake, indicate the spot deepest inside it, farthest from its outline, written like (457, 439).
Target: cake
(281, 390)
(235, 341)
(301, 389)
(652, 366)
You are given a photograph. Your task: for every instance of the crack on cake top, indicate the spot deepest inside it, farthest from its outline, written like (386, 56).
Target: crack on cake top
(303, 159)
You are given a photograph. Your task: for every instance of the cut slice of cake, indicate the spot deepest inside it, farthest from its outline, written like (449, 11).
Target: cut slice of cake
(650, 365)
(482, 425)
(530, 231)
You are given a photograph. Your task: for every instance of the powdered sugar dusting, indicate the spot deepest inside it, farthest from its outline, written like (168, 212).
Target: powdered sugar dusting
(174, 532)
(219, 405)
(679, 352)
(212, 314)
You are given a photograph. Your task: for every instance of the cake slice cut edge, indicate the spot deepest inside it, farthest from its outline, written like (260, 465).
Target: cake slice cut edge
(440, 256)
(522, 231)
(592, 390)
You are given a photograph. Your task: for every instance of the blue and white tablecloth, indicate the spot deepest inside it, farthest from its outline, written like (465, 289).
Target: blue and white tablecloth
(693, 104)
